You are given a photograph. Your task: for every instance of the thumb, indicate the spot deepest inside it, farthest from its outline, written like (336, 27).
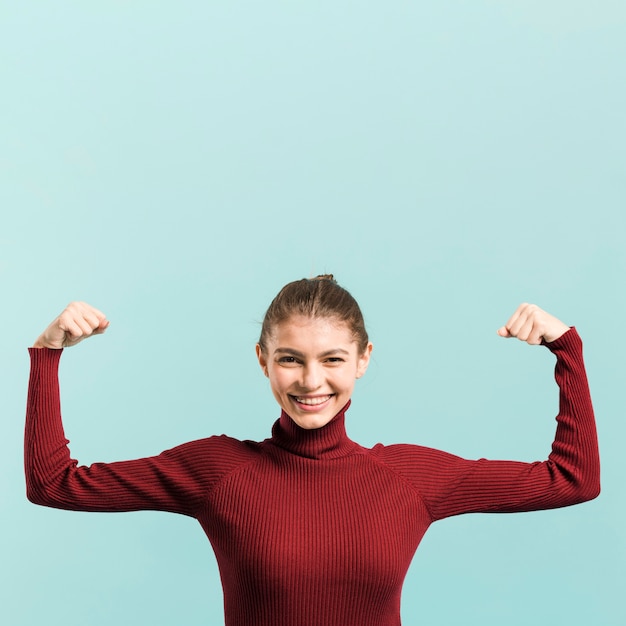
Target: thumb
(503, 332)
(101, 327)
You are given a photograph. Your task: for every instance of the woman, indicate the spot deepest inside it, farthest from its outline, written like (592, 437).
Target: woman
(308, 527)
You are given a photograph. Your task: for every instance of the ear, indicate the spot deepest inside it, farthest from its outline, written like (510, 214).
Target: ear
(262, 360)
(364, 360)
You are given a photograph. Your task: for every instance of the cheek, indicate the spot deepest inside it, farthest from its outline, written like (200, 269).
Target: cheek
(345, 382)
(279, 379)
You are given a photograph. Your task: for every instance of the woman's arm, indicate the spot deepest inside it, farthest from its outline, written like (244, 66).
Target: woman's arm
(177, 480)
(450, 485)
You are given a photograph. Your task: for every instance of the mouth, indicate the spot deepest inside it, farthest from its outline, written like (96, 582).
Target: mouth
(312, 401)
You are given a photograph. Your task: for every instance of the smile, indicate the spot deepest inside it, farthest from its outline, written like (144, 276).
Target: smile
(312, 401)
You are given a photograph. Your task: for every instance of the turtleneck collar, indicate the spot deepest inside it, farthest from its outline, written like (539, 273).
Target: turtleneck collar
(328, 442)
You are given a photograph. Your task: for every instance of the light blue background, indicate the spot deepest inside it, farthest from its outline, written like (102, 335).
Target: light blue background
(176, 163)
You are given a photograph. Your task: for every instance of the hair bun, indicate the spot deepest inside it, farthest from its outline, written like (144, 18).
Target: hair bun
(317, 297)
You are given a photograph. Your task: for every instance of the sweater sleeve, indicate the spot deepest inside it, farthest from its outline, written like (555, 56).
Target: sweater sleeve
(177, 480)
(450, 485)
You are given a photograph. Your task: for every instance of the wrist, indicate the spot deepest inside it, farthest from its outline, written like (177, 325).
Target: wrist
(41, 343)
(555, 333)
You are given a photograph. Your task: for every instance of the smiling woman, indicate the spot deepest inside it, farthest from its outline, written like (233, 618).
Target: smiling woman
(312, 364)
(313, 346)
(309, 528)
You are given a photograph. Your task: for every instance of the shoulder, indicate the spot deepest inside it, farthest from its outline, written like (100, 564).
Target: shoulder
(416, 464)
(410, 455)
(212, 457)
(228, 447)
(427, 471)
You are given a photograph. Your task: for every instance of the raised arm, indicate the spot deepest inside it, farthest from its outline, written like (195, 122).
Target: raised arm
(450, 485)
(177, 480)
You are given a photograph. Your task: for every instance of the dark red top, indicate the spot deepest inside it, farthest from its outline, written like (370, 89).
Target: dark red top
(310, 528)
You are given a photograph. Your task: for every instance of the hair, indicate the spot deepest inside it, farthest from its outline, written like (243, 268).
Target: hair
(319, 297)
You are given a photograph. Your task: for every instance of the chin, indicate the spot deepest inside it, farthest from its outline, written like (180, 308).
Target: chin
(312, 422)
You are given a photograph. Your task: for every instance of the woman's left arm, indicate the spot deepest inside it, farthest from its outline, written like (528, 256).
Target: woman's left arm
(575, 448)
(450, 485)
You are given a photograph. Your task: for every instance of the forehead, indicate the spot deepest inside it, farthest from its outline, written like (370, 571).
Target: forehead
(313, 332)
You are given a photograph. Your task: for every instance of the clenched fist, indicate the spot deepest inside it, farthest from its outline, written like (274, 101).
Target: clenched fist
(78, 321)
(531, 324)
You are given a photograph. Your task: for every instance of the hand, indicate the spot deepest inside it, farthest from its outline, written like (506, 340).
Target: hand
(78, 321)
(531, 324)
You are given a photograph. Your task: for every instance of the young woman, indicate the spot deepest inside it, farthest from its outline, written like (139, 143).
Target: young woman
(308, 527)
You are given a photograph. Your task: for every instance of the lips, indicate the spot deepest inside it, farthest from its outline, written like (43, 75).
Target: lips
(312, 401)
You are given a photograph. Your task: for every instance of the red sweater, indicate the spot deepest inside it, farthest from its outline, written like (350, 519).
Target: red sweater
(310, 528)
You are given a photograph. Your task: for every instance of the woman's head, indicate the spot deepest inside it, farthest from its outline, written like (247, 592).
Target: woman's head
(313, 347)
(319, 297)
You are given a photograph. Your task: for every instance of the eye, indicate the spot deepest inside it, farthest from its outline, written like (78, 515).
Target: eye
(288, 360)
(334, 359)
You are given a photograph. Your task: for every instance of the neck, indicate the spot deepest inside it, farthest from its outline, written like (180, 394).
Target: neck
(328, 442)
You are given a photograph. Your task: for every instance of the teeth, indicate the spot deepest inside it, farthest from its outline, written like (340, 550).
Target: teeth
(312, 401)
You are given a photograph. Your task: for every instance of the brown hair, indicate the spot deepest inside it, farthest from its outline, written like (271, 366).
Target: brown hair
(322, 297)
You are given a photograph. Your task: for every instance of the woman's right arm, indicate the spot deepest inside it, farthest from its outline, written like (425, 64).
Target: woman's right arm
(178, 480)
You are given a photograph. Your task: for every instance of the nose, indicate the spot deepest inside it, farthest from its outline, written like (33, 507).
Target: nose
(312, 377)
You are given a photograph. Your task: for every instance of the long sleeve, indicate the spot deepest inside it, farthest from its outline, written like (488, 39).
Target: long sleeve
(450, 485)
(308, 527)
(177, 480)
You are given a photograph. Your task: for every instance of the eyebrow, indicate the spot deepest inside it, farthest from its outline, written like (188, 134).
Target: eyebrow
(301, 355)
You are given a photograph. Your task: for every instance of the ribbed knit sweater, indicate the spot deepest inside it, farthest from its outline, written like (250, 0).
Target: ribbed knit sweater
(308, 527)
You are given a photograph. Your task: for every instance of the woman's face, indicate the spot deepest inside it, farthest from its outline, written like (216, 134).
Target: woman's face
(312, 364)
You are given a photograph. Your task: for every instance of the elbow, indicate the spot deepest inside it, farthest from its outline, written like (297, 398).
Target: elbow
(592, 491)
(49, 489)
(39, 493)
(587, 491)
(579, 484)
(591, 487)
(35, 496)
